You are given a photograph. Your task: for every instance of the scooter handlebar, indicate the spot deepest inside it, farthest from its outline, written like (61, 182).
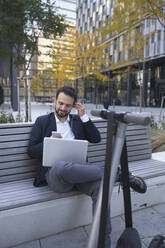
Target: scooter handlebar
(136, 118)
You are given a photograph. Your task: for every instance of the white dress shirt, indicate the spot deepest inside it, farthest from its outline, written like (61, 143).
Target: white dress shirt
(64, 128)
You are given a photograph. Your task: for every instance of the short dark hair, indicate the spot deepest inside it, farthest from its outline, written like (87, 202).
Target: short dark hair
(69, 91)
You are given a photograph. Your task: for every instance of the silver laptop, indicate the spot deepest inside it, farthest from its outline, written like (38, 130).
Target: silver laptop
(55, 149)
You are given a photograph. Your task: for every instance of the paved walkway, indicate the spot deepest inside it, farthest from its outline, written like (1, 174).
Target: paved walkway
(148, 222)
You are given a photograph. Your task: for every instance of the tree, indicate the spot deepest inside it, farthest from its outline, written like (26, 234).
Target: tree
(137, 10)
(155, 9)
(22, 22)
(76, 56)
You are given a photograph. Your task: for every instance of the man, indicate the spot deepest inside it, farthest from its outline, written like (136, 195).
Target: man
(64, 175)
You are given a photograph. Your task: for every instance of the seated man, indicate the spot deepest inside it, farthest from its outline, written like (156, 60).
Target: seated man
(64, 176)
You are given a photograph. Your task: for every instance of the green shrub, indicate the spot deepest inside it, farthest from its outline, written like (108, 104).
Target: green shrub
(154, 125)
(6, 117)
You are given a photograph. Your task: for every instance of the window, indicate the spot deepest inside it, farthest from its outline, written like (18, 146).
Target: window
(85, 26)
(85, 4)
(103, 11)
(91, 21)
(94, 7)
(148, 22)
(88, 12)
(152, 38)
(115, 44)
(147, 47)
(159, 35)
(120, 56)
(111, 6)
(97, 16)
(107, 19)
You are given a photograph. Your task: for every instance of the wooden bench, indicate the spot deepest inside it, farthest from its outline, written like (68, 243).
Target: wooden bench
(29, 213)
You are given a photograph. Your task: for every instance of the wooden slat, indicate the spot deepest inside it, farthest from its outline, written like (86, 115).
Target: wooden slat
(99, 124)
(24, 193)
(21, 163)
(96, 153)
(15, 185)
(17, 170)
(96, 159)
(139, 152)
(15, 157)
(14, 143)
(14, 137)
(17, 177)
(139, 157)
(17, 125)
(147, 168)
(15, 150)
(96, 147)
(136, 126)
(137, 137)
(11, 131)
(141, 147)
(137, 142)
(136, 132)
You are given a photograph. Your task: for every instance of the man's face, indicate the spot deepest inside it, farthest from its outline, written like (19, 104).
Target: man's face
(63, 105)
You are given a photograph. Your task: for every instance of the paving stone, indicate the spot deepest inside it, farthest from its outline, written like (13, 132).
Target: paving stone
(87, 230)
(118, 227)
(143, 244)
(148, 222)
(147, 241)
(160, 208)
(76, 238)
(33, 244)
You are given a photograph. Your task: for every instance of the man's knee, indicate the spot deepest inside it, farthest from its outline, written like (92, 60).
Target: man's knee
(57, 169)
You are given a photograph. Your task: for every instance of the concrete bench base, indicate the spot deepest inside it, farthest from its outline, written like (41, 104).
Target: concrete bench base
(32, 222)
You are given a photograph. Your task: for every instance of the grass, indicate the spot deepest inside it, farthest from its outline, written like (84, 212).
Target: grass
(158, 140)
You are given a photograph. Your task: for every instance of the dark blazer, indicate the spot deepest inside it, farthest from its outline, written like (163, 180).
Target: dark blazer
(43, 127)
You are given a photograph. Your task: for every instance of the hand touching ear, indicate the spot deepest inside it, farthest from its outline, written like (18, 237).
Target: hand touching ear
(80, 109)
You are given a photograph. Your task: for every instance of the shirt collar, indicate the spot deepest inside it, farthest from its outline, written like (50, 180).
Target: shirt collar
(58, 121)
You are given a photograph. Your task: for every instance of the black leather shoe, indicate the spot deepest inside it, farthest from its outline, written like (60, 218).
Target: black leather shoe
(136, 183)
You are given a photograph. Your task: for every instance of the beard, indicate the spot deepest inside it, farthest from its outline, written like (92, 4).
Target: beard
(61, 113)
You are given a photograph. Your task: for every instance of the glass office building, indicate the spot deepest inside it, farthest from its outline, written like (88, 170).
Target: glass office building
(67, 8)
(90, 14)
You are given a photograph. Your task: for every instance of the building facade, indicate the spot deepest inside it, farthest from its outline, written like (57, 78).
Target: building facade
(44, 62)
(143, 76)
